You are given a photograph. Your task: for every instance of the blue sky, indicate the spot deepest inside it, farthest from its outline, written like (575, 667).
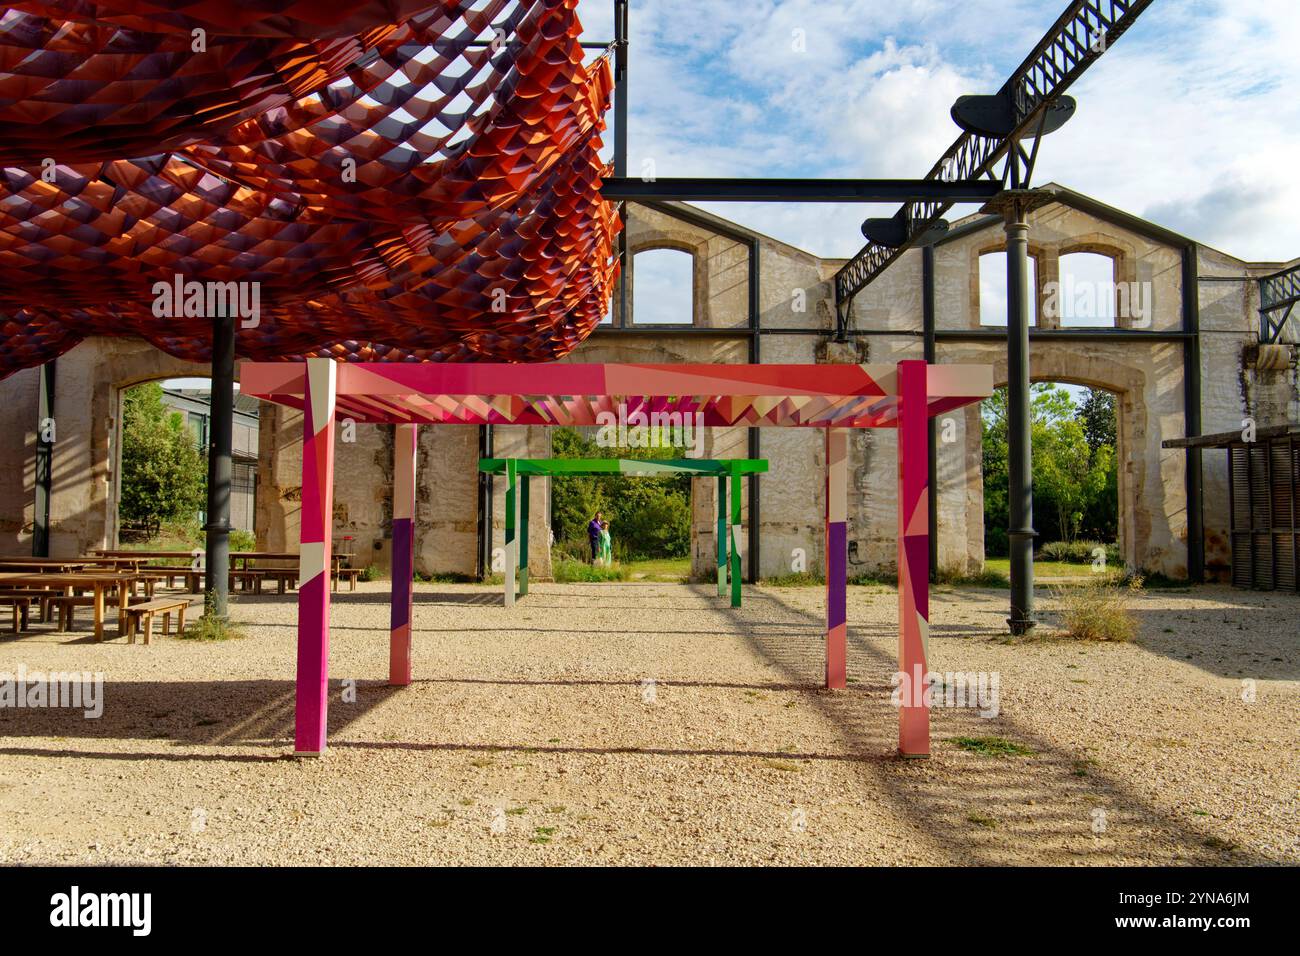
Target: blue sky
(1191, 119)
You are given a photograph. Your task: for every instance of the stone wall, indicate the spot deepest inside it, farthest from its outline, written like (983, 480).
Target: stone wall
(796, 308)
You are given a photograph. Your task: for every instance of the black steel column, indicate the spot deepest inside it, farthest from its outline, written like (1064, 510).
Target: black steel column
(755, 443)
(220, 436)
(931, 351)
(485, 506)
(44, 461)
(1020, 476)
(1192, 414)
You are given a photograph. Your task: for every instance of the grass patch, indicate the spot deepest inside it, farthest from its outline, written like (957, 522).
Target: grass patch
(987, 578)
(542, 835)
(209, 627)
(668, 570)
(446, 577)
(1099, 612)
(980, 820)
(796, 579)
(783, 765)
(569, 571)
(370, 573)
(992, 746)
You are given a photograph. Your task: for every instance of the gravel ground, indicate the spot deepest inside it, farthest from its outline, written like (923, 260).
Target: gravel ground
(652, 724)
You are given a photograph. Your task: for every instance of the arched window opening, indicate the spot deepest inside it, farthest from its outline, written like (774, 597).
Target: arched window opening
(663, 287)
(993, 289)
(1085, 296)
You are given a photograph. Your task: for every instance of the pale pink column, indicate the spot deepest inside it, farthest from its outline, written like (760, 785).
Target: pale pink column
(316, 521)
(399, 644)
(913, 558)
(837, 556)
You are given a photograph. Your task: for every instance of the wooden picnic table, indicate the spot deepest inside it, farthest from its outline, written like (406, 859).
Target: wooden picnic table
(98, 582)
(40, 565)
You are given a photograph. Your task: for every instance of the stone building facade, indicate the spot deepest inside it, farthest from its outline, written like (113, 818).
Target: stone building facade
(1199, 311)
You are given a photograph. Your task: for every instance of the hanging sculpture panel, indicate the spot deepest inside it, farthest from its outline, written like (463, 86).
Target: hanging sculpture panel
(425, 188)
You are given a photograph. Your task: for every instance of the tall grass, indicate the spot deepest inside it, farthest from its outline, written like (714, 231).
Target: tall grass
(1099, 612)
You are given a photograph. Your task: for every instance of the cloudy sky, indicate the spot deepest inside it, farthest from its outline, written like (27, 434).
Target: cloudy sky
(1191, 119)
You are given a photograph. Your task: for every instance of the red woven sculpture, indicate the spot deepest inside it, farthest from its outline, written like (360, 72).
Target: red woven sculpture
(423, 189)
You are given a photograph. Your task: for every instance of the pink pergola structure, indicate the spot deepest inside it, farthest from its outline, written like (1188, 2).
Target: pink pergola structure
(835, 398)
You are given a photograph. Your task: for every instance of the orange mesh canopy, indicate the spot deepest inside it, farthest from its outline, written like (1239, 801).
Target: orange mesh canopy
(424, 187)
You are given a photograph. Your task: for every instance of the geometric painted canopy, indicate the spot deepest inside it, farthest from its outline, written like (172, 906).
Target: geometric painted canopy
(573, 394)
(385, 181)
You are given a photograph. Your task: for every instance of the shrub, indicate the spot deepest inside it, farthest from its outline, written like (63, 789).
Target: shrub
(1079, 552)
(370, 573)
(1099, 612)
(241, 540)
(986, 578)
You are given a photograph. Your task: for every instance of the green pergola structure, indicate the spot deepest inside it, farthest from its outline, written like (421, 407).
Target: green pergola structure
(518, 471)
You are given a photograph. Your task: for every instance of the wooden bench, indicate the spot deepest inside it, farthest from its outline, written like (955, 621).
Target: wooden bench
(249, 579)
(22, 602)
(352, 574)
(193, 579)
(65, 604)
(138, 615)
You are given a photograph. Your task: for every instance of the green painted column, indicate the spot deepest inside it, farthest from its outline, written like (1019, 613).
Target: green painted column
(512, 544)
(736, 486)
(722, 536)
(523, 535)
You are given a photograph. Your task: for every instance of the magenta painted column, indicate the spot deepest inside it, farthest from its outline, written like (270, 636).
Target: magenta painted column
(399, 644)
(837, 555)
(317, 519)
(913, 558)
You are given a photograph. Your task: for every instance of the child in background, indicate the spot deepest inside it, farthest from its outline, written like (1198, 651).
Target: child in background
(606, 550)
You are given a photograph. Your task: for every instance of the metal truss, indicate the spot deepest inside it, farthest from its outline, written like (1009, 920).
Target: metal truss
(1278, 295)
(1080, 36)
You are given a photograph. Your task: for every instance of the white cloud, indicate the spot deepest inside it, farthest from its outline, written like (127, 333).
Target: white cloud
(1189, 119)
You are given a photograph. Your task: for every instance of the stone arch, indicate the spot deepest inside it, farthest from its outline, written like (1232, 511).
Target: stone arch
(1152, 500)
(661, 243)
(998, 243)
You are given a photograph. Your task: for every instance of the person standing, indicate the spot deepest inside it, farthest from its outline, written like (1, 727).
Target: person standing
(606, 546)
(593, 536)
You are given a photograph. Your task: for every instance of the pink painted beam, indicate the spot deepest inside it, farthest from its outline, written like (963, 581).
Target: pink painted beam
(316, 522)
(399, 643)
(837, 557)
(913, 559)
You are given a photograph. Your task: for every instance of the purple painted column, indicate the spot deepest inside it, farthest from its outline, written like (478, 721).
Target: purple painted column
(399, 644)
(316, 524)
(837, 556)
(913, 558)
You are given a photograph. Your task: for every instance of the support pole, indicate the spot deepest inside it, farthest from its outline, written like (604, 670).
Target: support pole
(722, 536)
(316, 537)
(217, 544)
(620, 147)
(399, 647)
(1014, 205)
(523, 535)
(736, 530)
(46, 434)
(913, 559)
(512, 544)
(837, 557)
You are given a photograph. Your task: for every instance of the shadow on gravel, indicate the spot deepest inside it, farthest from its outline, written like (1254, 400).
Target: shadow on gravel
(978, 809)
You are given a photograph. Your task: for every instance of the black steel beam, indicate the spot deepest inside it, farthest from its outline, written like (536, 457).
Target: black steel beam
(798, 190)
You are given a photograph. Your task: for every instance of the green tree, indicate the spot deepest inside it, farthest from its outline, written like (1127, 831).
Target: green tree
(163, 474)
(648, 517)
(1075, 481)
